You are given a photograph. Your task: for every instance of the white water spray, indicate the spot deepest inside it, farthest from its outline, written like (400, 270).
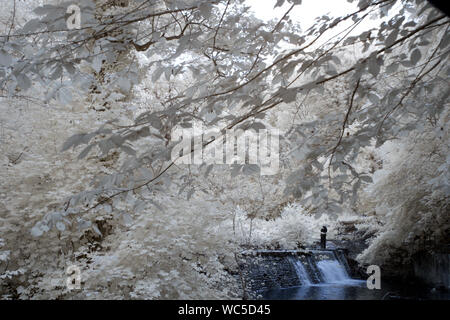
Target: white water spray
(302, 274)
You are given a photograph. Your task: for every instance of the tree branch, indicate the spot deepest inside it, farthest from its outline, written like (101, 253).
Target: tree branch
(344, 124)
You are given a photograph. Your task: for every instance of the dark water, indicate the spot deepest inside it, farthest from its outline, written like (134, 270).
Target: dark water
(353, 291)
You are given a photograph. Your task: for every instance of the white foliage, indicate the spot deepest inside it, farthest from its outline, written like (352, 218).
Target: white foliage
(409, 196)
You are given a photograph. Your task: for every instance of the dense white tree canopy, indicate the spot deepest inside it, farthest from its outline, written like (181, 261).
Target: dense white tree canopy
(361, 102)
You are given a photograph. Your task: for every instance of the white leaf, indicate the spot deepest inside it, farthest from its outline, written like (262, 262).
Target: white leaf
(157, 74)
(374, 68)
(415, 56)
(65, 96)
(366, 179)
(5, 59)
(392, 68)
(288, 95)
(60, 226)
(127, 218)
(190, 193)
(36, 231)
(279, 3)
(205, 10)
(23, 81)
(373, 97)
(391, 38)
(31, 26)
(96, 230)
(208, 170)
(85, 151)
(124, 84)
(83, 224)
(97, 63)
(139, 205)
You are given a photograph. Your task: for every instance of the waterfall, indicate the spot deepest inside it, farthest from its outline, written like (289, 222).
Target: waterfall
(302, 274)
(312, 275)
(332, 271)
(323, 267)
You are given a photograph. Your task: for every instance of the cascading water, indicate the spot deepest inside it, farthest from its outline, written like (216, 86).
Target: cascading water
(333, 272)
(322, 275)
(302, 274)
(324, 271)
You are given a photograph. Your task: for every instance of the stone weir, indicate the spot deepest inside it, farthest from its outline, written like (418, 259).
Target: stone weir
(264, 270)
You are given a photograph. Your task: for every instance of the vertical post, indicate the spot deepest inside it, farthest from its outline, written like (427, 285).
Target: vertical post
(323, 237)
